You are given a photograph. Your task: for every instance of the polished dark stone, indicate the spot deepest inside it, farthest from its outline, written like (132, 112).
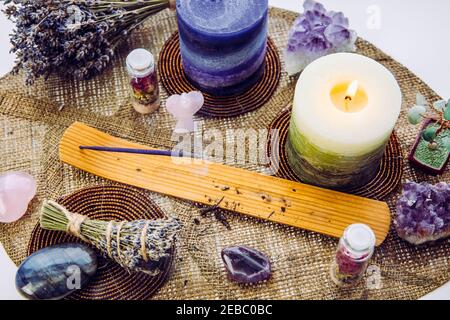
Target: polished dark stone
(246, 265)
(56, 271)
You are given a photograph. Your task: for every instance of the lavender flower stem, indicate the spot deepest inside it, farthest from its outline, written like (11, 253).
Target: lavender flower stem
(76, 38)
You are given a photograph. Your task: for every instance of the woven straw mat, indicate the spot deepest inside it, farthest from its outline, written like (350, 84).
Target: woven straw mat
(31, 126)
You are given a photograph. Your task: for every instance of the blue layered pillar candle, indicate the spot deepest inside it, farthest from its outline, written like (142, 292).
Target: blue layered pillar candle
(345, 109)
(223, 43)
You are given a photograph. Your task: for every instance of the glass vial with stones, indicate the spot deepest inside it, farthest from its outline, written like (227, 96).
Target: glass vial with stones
(143, 81)
(353, 255)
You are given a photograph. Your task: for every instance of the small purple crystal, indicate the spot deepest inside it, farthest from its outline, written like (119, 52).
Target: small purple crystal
(246, 265)
(423, 212)
(316, 33)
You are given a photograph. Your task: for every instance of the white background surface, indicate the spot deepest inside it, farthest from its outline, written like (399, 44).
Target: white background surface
(414, 32)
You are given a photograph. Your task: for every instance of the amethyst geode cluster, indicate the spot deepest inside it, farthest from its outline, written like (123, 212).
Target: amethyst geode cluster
(316, 33)
(423, 212)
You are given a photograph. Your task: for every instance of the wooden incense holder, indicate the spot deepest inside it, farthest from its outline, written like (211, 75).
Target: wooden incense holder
(246, 192)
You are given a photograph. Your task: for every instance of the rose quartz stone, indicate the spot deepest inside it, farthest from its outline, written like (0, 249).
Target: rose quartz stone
(183, 107)
(17, 189)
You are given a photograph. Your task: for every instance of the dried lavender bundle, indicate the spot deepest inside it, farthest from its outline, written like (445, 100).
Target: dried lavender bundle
(140, 245)
(73, 37)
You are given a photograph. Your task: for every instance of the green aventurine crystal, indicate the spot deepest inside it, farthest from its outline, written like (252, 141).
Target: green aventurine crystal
(433, 158)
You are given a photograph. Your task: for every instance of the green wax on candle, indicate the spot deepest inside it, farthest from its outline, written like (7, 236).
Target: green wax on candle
(327, 169)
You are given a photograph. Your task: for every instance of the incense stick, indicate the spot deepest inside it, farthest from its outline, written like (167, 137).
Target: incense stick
(155, 152)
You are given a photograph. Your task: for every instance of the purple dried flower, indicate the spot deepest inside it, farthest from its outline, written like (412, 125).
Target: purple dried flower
(72, 37)
(315, 33)
(423, 212)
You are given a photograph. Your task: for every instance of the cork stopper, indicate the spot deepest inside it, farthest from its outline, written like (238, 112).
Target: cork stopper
(173, 4)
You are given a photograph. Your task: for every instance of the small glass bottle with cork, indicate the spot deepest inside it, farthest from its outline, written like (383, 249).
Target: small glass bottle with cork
(353, 255)
(143, 81)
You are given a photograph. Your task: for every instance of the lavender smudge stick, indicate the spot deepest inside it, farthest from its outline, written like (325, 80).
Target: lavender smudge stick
(140, 245)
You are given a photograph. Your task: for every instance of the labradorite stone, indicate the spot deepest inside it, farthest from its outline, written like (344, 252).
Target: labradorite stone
(56, 271)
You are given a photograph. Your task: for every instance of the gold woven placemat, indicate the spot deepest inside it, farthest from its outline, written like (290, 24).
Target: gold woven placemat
(31, 126)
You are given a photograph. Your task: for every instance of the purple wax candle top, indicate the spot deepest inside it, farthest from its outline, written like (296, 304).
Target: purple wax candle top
(223, 43)
(221, 16)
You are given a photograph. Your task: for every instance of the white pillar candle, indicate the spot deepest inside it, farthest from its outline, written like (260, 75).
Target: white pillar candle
(345, 109)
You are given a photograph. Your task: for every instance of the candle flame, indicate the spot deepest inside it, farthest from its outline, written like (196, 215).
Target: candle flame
(352, 89)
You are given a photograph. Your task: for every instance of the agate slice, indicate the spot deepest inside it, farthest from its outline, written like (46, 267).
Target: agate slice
(246, 265)
(17, 189)
(55, 272)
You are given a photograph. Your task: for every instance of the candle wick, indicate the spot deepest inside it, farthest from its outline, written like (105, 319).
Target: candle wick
(347, 101)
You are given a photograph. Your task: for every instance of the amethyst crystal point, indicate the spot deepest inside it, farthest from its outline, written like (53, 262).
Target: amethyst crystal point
(316, 33)
(423, 212)
(246, 265)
